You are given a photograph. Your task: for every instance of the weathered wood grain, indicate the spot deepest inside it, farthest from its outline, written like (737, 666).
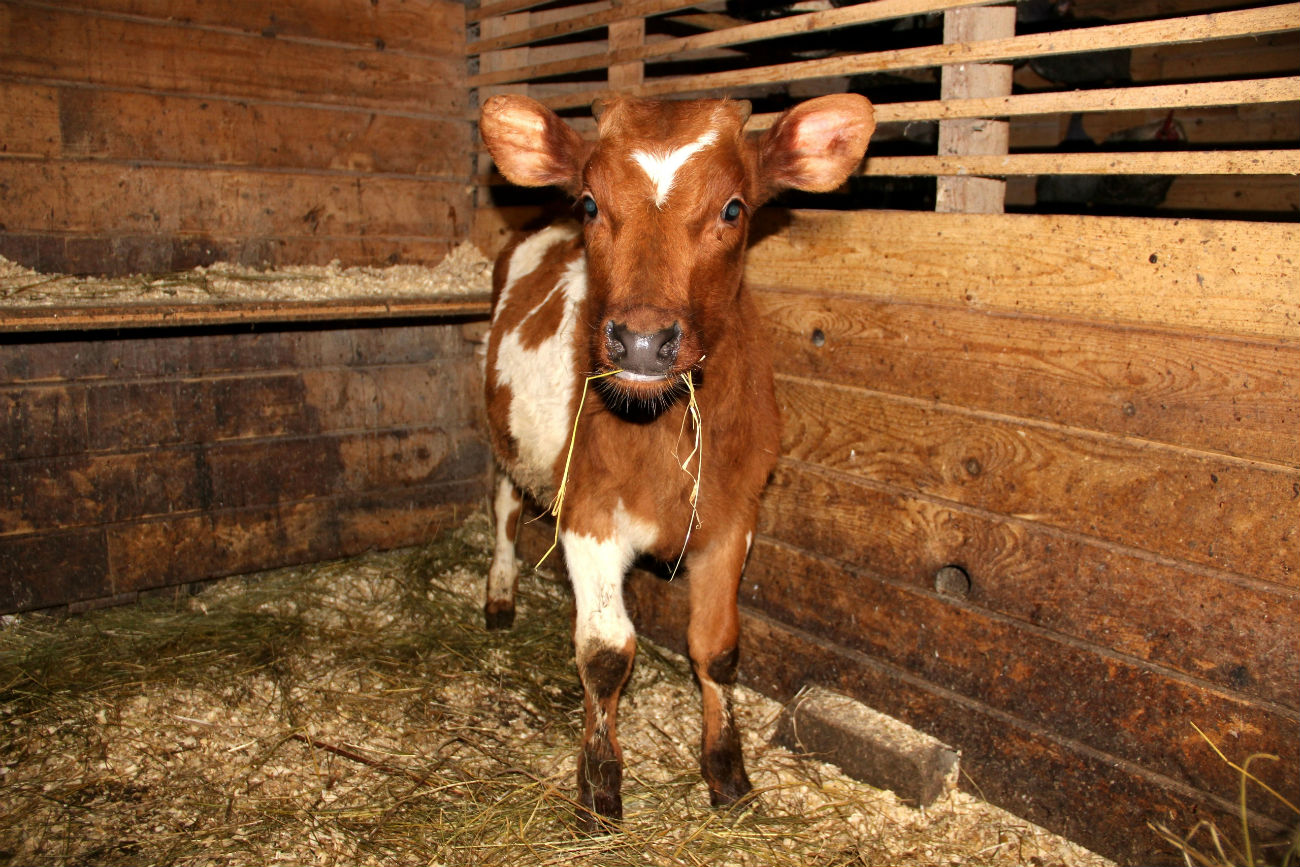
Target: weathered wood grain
(419, 26)
(1223, 629)
(58, 45)
(1061, 784)
(1239, 397)
(89, 123)
(1202, 276)
(1083, 692)
(69, 197)
(1197, 507)
(53, 569)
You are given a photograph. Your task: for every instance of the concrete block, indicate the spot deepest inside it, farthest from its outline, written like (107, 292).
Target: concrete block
(867, 745)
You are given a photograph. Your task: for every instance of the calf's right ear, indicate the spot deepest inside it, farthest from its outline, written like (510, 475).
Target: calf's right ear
(531, 145)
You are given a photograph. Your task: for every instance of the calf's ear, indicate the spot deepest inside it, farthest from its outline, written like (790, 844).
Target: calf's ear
(531, 145)
(817, 144)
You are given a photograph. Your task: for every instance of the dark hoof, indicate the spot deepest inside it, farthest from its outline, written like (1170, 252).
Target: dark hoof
(499, 615)
(732, 792)
(602, 817)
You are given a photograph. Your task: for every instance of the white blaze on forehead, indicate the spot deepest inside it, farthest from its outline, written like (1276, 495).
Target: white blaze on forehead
(662, 168)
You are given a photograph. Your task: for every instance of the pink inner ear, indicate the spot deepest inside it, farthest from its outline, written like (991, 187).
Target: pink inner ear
(818, 131)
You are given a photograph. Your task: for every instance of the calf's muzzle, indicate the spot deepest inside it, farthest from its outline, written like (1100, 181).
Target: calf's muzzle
(640, 355)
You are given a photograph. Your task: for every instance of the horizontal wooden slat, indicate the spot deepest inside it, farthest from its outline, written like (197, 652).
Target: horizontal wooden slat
(1225, 629)
(576, 20)
(70, 48)
(811, 22)
(1160, 96)
(96, 124)
(421, 26)
(66, 196)
(1238, 516)
(1221, 25)
(1232, 396)
(1248, 162)
(1206, 276)
(1132, 710)
(30, 319)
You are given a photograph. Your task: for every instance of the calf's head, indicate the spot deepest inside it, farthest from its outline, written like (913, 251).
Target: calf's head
(666, 192)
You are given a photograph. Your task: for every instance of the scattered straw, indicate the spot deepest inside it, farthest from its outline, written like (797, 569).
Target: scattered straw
(693, 414)
(357, 712)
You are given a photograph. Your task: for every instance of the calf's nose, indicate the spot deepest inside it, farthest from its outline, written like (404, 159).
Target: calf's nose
(641, 354)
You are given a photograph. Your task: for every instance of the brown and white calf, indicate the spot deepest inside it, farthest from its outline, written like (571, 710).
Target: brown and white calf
(648, 285)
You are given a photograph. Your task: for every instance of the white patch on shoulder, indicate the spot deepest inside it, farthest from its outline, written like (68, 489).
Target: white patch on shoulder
(525, 258)
(662, 168)
(596, 569)
(542, 379)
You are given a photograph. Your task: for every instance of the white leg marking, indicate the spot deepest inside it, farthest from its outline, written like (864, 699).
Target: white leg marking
(596, 568)
(504, 570)
(662, 168)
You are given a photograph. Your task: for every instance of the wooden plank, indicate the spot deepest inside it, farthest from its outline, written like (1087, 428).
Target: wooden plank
(1232, 396)
(1204, 276)
(1132, 711)
(974, 195)
(1060, 784)
(810, 22)
(53, 569)
(622, 36)
(1260, 195)
(1219, 162)
(1245, 57)
(120, 255)
(34, 319)
(1227, 513)
(568, 20)
(181, 549)
(1223, 25)
(419, 26)
(88, 197)
(83, 49)
(188, 354)
(86, 123)
(1225, 630)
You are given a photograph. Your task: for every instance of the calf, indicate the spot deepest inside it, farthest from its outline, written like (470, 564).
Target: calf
(641, 308)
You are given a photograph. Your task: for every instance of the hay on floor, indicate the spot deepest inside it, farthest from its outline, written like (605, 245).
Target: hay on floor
(357, 712)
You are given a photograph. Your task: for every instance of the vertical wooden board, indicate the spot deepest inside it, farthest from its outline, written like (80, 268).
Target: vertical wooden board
(1237, 397)
(1234, 515)
(41, 571)
(1199, 276)
(1082, 692)
(1224, 630)
(113, 52)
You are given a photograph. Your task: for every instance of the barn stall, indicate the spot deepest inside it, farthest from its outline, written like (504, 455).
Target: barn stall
(1038, 362)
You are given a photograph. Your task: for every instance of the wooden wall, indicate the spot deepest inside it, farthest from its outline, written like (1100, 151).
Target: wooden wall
(131, 461)
(156, 136)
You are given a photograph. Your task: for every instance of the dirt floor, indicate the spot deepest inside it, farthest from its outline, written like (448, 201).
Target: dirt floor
(357, 712)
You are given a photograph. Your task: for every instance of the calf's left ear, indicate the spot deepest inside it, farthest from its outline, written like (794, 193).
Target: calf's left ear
(531, 145)
(817, 144)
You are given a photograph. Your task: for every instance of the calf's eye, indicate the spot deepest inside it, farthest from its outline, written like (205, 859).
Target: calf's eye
(589, 209)
(731, 213)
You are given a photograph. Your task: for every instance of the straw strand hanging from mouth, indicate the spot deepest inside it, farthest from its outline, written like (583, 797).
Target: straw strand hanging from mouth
(692, 413)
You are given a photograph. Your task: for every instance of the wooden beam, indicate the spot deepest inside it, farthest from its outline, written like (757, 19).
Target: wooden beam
(1261, 162)
(984, 136)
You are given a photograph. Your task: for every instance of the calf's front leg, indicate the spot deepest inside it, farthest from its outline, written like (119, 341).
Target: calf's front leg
(503, 574)
(605, 644)
(713, 641)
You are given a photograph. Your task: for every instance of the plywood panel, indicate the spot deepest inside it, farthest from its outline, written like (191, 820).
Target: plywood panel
(1184, 274)
(1225, 629)
(1234, 396)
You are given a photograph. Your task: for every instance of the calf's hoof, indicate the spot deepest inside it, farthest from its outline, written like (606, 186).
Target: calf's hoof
(499, 615)
(731, 791)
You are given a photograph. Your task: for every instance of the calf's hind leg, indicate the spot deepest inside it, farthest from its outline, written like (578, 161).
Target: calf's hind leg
(503, 574)
(713, 641)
